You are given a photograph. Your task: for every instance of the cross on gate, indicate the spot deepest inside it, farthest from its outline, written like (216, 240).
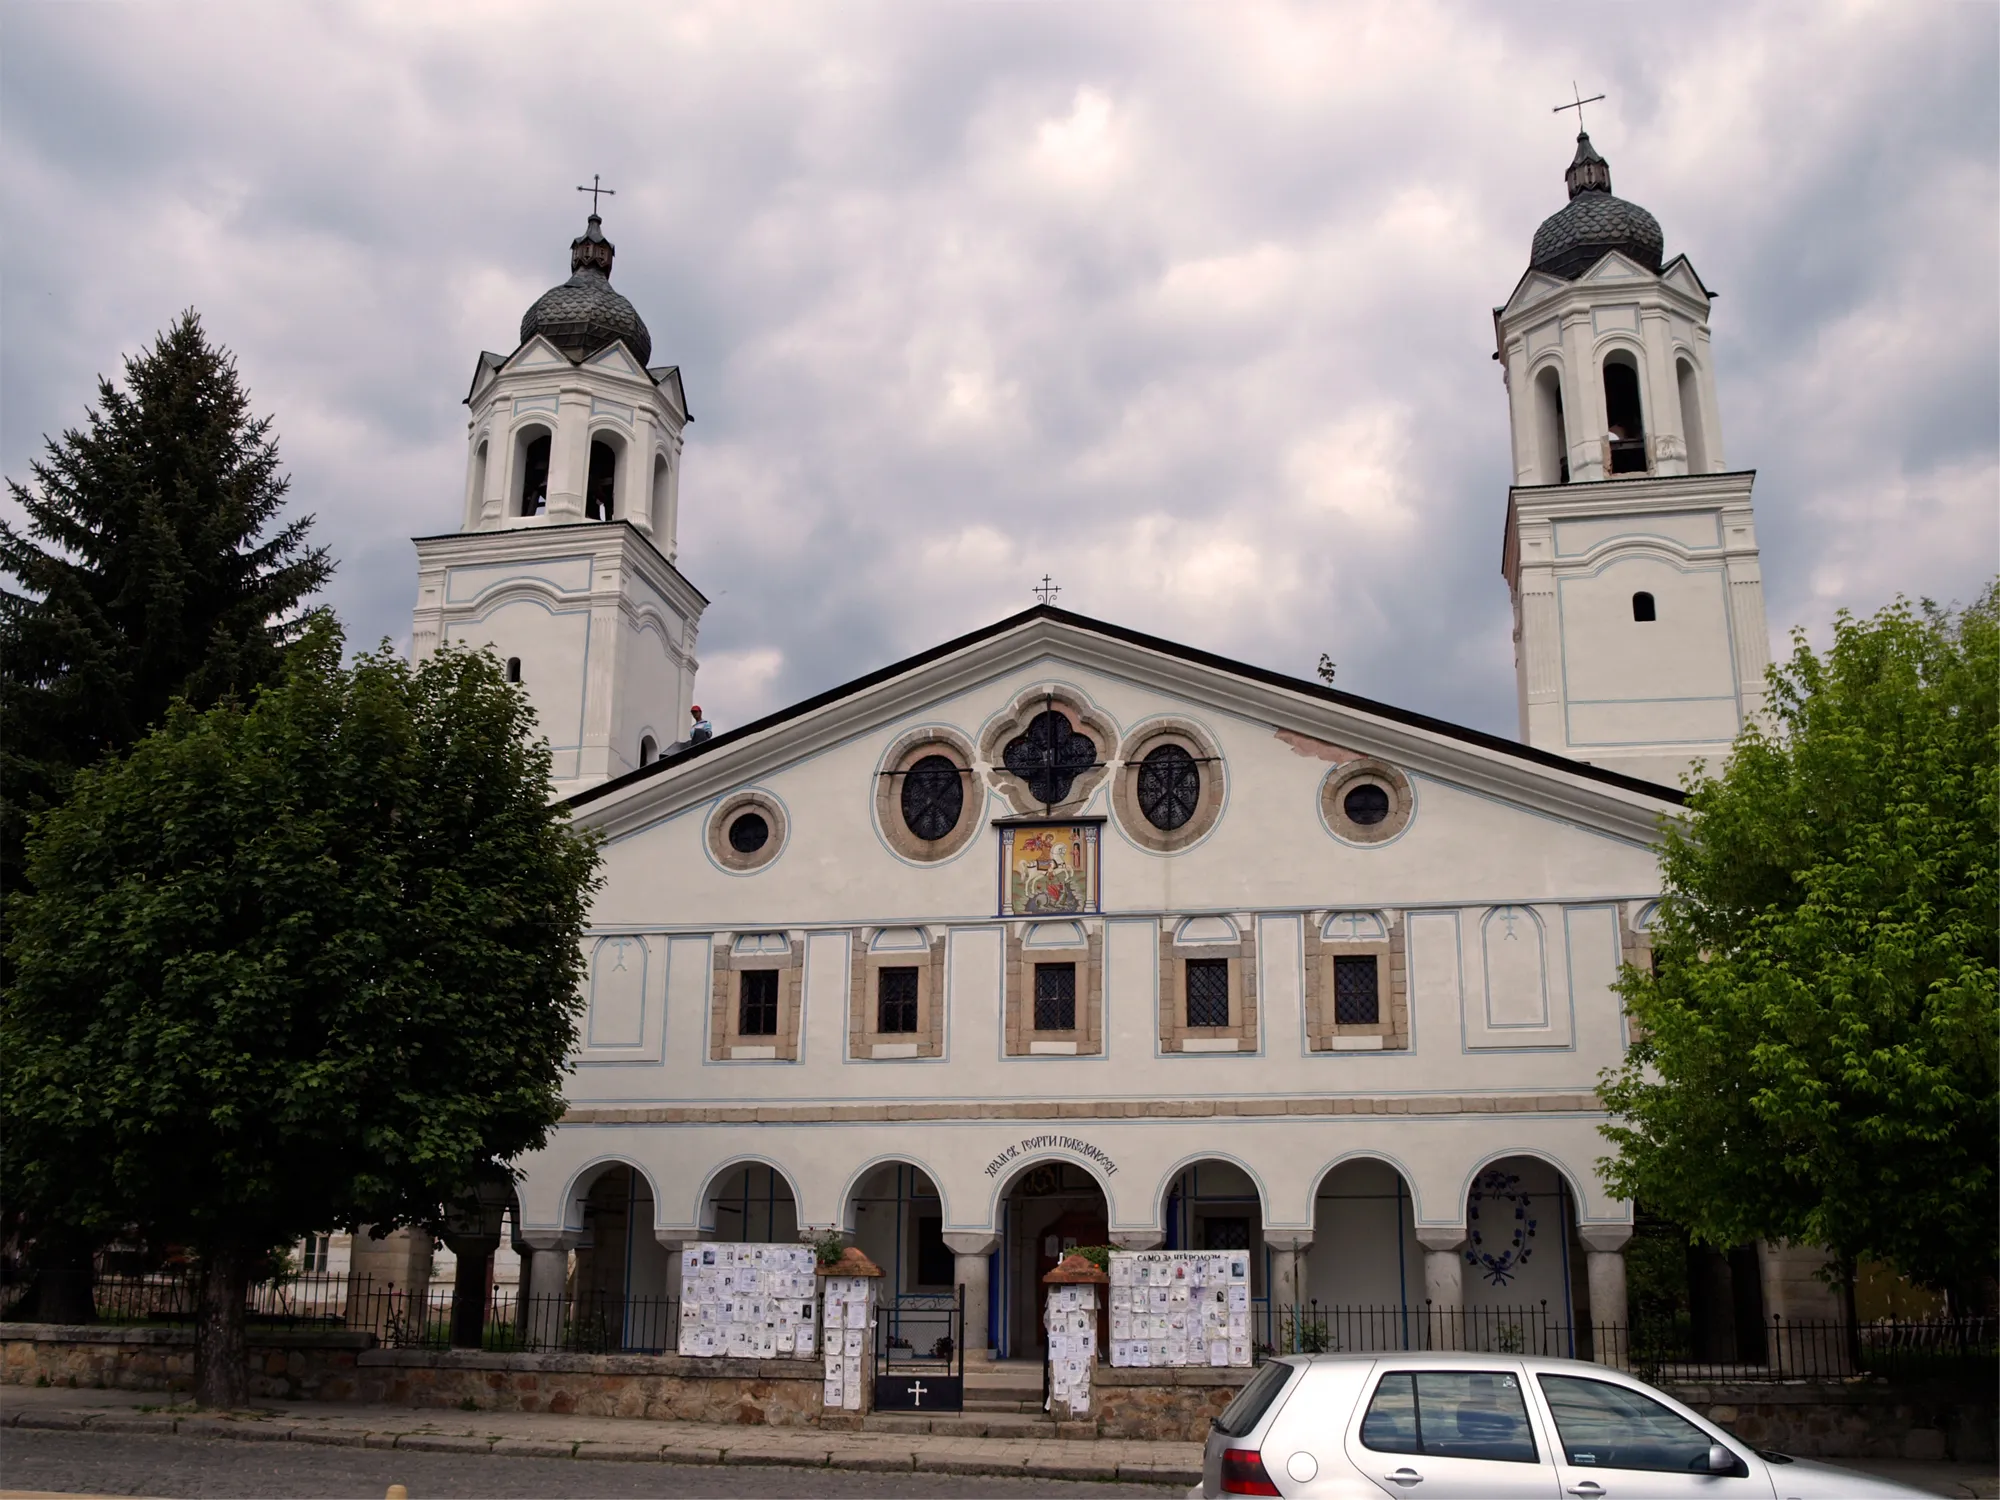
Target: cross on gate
(1578, 105)
(594, 190)
(917, 1389)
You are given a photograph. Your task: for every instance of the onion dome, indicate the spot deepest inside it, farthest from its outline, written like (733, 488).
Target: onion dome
(1594, 223)
(583, 314)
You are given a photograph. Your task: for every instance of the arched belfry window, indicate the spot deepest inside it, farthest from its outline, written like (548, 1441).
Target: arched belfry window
(475, 498)
(513, 669)
(1691, 424)
(647, 750)
(1049, 755)
(598, 490)
(535, 476)
(1622, 414)
(1551, 432)
(1642, 607)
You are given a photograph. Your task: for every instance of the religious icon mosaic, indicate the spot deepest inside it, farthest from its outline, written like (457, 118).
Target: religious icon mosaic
(1048, 869)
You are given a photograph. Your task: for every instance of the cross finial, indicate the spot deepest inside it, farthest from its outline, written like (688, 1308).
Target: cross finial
(594, 190)
(1577, 105)
(1045, 590)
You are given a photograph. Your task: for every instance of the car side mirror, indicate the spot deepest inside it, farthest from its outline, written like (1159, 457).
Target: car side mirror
(1720, 1459)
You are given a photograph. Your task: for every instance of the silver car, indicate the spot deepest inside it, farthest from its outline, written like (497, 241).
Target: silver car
(1448, 1426)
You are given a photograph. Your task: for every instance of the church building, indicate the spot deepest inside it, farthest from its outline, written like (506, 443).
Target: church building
(1060, 934)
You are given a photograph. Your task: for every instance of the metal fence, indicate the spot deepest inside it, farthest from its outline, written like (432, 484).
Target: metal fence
(577, 1323)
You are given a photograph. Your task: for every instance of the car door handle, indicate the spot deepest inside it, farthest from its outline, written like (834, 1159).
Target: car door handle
(1405, 1477)
(1589, 1489)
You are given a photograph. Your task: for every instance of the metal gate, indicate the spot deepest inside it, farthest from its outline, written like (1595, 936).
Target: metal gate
(920, 1352)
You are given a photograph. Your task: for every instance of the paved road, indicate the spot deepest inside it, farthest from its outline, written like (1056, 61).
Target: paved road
(117, 1464)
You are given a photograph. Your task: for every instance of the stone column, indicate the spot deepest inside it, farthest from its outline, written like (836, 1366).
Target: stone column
(1444, 1286)
(1604, 1256)
(547, 1294)
(388, 1280)
(474, 1256)
(971, 1273)
(1288, 1293)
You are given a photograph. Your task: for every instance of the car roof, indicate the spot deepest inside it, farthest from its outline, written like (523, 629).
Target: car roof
(1433, 1359)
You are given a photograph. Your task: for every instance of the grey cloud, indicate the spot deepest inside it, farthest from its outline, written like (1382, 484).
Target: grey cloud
(1187, 306)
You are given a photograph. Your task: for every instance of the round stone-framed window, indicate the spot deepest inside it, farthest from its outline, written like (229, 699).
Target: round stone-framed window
(1169, 788)
(927, 795)
(1366, 801)
(746, 831)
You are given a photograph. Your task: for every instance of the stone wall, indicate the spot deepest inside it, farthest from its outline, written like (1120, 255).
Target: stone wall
(304, 1365)
(1839, 1419)
(1167, 1405)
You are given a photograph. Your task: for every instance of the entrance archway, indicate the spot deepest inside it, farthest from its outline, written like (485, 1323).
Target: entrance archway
(752, 1203)
(1365, 1272)
(621, 1281)
(1049, 1209)
(896, 1215)
(1524, 1262)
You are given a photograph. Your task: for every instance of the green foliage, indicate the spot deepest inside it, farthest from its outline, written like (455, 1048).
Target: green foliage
(306, 963)
(827, 1249)
(144, 572)
(1814, 1060)
(1098, 1255)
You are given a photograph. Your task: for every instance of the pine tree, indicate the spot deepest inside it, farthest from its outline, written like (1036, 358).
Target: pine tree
(144, 572)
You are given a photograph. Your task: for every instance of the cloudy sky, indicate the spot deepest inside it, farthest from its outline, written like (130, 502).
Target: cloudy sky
(1185, 304)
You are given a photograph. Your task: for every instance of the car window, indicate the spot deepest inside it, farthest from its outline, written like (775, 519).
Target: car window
(1252, 1401)
(1450, 1414)
(1608, 1426)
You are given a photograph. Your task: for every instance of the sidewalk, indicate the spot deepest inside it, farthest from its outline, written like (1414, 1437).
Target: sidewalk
(544, 1435)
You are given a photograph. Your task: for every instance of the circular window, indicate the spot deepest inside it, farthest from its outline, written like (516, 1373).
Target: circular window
(1169, 787)
(1366, 804)
(1366, 801)
(933, 797)
(746, 831)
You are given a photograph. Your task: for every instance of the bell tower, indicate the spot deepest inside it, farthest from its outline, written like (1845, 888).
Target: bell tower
(564, 559)
(1630, 552)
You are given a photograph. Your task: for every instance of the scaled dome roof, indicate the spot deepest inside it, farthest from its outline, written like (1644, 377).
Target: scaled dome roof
(584, 314)
(1594, 223)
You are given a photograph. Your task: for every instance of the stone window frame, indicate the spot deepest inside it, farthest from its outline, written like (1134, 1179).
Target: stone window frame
(864, 1041)
(1391, 1031)
(1344, 778)
(727, 811)
(1014, 720)
(1175, 1034)
(1200, 744)
(725, 1042)
(906, 752)
(1021, 1039)
(1635, 947)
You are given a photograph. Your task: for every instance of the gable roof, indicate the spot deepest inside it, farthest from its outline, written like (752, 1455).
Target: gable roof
(1171, 649)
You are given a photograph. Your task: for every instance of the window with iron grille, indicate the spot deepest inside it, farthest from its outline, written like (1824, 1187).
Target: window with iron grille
(896, 999)
(1225, 1234)
(1055, 997)
(1049, 755)
(1169, 787)
(757, 1003)
(1208, 992)
(1356, 998)
(933, 797)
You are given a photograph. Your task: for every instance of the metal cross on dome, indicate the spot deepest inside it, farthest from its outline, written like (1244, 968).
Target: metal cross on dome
(594, 190)
(1577, 105)
(1045, 590)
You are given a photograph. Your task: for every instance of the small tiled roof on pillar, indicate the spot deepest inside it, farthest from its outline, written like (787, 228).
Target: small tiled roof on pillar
(1075, 1270)
(583, 314)
(1594, 223)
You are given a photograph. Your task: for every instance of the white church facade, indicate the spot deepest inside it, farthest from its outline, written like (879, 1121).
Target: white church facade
(1059, 934)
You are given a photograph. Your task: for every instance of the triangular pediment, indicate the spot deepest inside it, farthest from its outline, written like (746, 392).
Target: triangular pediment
(1051, 643)
(1532, 288)
(537, 354)
(1615, 267)
(484, 373)
(617, 358)
(1681, 276)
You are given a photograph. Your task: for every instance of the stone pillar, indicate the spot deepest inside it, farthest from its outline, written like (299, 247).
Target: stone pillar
(972, 1275)
(1444, 1286)
(1070, 1322)
(848, 1343)
(547, 1294)
(1287, 1289)
(1604, 1254)
(388, 1280)
(474, 1255)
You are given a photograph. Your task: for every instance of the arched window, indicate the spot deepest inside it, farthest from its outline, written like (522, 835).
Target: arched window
(1622, 413)
(475, 498)
(1551, 432)
(647, 750)
(513, 669)
(1697, 435)
(1642, 607)
(597, 490)
(661, 521)
(535, 475)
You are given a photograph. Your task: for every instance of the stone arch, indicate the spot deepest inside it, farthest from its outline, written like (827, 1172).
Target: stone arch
(531, 445)
(605, 479)
(1005, 1185)
(894, 1207)
(1687, 386)
(475, 481)
(1195, 1159)
(1551, 425)
(1517, 1254)
(706, 1203)
(1365, 1268)
(585, 1177)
